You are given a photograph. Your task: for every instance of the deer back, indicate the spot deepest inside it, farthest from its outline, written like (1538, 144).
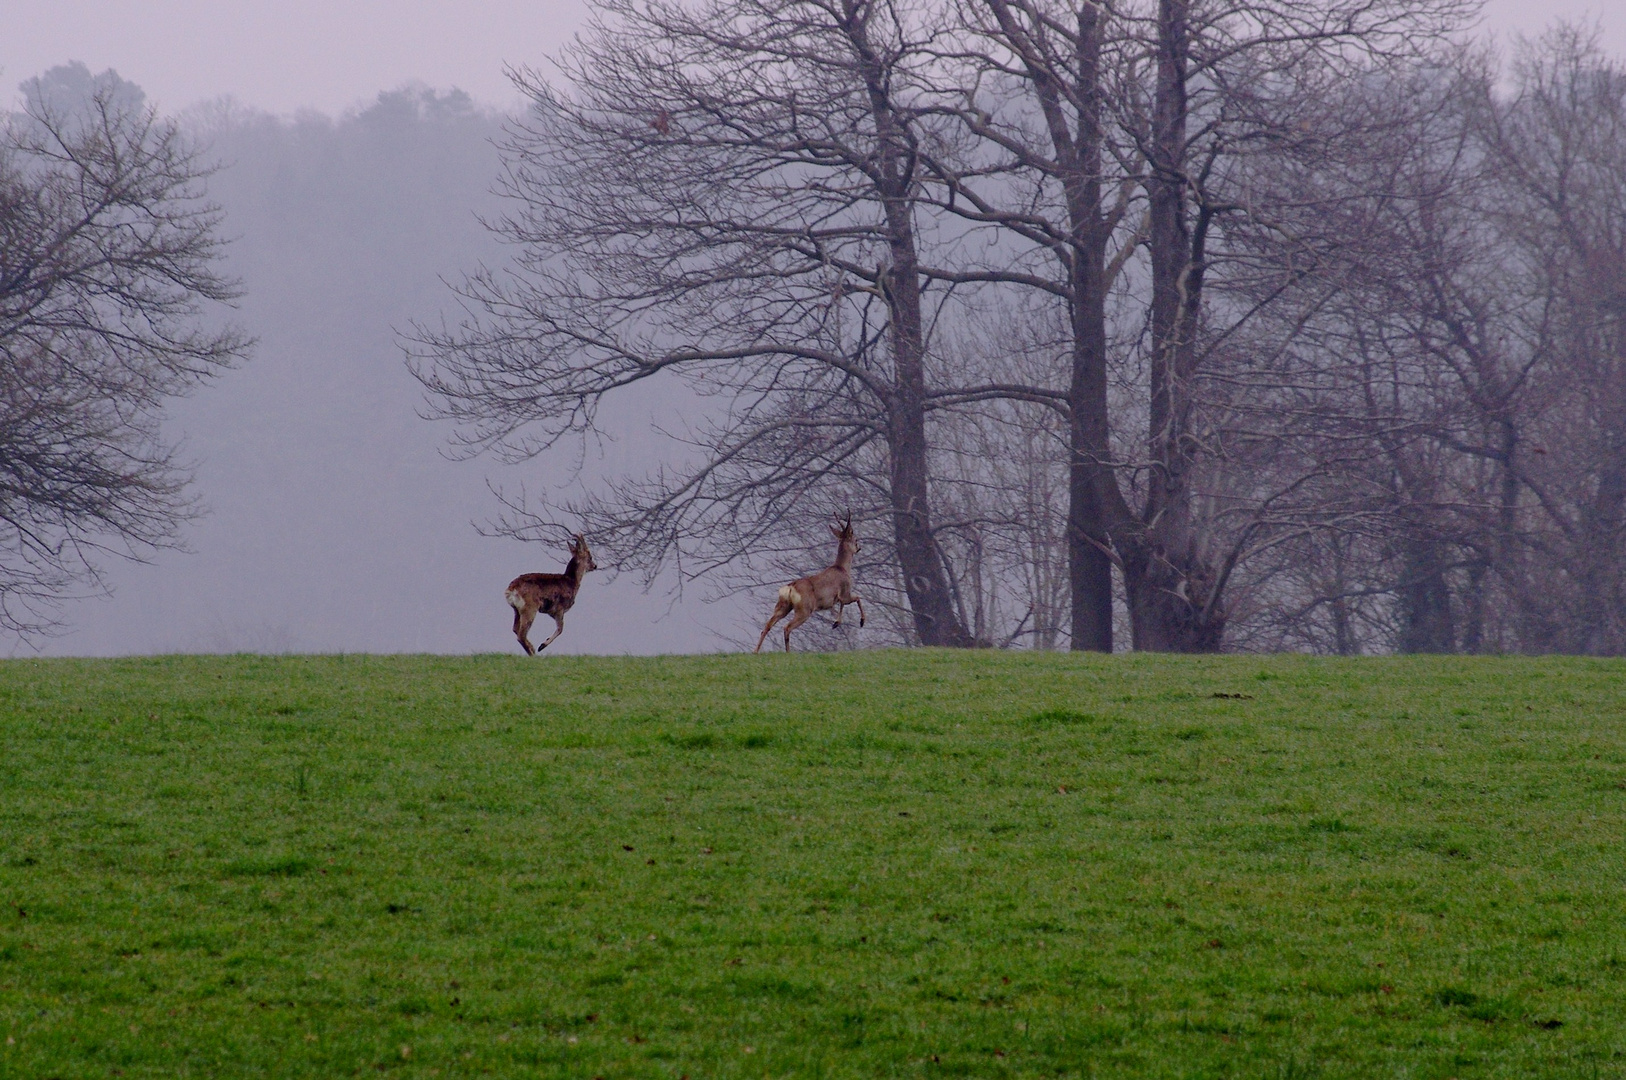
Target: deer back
(823, 590)
(551, 594)
(830, 586)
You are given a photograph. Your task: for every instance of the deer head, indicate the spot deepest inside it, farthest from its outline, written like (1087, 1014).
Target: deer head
(846, 541)
(580, 557)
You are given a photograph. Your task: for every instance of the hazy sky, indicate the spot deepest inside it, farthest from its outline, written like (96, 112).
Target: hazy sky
(288, 54)
(333, 54)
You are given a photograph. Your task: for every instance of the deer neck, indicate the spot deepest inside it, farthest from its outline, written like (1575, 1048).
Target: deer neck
(844, 557)
(575, 571)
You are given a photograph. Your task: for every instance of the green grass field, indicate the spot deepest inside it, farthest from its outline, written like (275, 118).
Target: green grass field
(873, 864)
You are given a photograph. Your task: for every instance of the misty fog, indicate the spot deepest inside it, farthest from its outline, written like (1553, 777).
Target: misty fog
(334, 520)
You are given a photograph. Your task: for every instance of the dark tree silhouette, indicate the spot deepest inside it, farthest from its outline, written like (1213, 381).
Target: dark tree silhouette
(108, 249)
(724, 196)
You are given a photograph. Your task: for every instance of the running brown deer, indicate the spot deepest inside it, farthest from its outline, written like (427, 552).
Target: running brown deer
(831, 587)
(550, 594)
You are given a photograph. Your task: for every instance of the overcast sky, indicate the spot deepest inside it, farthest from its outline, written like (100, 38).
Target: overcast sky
(333, 54)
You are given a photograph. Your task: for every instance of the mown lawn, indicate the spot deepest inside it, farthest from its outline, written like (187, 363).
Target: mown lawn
(874, 864)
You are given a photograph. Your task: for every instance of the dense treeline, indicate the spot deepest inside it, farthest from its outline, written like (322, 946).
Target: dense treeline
(1225, 323)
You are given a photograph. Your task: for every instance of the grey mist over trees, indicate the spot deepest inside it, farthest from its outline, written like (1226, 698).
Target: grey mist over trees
(332, 520)
(1228, 323)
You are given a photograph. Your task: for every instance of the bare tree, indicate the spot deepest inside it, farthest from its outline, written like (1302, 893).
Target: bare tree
(1550, 401)
(108, 253)
(720, 198)
(1136, 128)
(1035, 88)
(1465, 366)
(1000, 474)
(1321, 331)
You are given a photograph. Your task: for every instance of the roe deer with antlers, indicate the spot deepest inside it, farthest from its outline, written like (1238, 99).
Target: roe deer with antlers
(549, 594)
(831, 587)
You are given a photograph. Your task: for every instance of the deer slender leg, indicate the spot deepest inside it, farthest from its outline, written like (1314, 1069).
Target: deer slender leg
(780, 610)
(839, 608)
(860, 603)
(522, 626)
(559, 621)
(800, 618)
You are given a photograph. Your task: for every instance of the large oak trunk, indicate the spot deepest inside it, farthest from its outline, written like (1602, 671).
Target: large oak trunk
(1169, 607)
(1088, 564)
(924, 577)
(1077, 153)
(1169, 585)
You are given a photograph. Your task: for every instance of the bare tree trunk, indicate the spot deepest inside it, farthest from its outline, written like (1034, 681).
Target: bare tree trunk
(924, 579)
(1089, 569)
(1473, 608)
(1425, 602)
(1088, 566)
(1169, 586)
(1077, 164)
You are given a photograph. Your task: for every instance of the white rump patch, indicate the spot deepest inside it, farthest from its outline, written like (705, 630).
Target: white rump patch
(515, 600)
(789, 595)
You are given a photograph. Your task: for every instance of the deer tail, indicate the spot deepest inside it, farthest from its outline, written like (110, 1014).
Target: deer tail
(789, 595)
(515, 600)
